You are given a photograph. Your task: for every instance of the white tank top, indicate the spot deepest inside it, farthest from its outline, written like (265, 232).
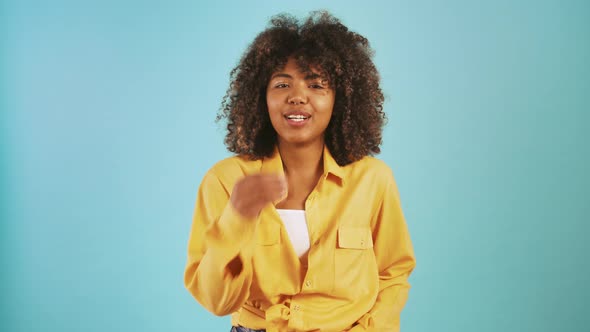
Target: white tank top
(296, 226)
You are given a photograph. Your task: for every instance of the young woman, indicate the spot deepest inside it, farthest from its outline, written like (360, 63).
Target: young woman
(302, 230)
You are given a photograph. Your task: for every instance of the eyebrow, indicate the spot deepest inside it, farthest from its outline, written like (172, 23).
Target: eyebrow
(310, 76)
(280, 75)
(313, 76)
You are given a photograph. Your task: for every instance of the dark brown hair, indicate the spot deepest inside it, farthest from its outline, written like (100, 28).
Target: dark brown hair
(343, 56)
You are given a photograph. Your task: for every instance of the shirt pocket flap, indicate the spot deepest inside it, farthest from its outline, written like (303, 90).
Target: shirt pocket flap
(268, 234)
(354, 237)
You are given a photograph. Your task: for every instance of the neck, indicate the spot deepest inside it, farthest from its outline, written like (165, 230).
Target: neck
(303, 160)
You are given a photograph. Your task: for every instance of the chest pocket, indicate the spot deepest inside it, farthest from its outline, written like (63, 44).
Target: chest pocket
(354, 261)
(354, 237)
(268, 234)
(267, 253)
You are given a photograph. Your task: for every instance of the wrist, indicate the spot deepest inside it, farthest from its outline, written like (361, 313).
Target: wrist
(245, 211)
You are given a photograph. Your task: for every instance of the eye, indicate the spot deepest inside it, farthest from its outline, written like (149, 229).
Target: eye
(281, 85)
(319, 84)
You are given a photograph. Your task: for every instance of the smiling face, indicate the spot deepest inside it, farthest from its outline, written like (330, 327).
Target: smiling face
(299, 104)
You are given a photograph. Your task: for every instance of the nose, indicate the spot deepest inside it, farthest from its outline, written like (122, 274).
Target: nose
(297, 97)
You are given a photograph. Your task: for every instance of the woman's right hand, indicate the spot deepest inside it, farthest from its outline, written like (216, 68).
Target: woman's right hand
(254, 192)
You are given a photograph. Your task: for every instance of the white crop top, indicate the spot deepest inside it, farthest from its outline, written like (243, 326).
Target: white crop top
(296, 226)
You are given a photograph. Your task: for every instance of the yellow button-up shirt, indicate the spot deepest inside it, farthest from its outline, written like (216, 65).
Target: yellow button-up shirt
(357, 266)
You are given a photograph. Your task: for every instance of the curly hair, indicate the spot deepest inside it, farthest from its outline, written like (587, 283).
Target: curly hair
(343, 56)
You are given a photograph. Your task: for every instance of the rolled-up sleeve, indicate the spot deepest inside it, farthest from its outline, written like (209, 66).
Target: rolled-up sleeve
(395, 259)
(219, 236)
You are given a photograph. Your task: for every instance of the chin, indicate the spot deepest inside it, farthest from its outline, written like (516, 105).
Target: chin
(299, 142)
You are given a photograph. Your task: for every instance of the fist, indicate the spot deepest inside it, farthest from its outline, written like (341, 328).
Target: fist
(254, 192)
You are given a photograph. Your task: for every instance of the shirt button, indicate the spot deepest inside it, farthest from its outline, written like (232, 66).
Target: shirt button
(296, 307)
(308, 283)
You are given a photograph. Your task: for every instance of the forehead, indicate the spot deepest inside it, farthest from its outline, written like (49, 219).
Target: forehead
(293, 66)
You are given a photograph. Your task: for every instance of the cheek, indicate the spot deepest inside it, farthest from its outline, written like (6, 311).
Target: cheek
(325, 108)
(325, 103)
(271, 108)
(274, 113)
(272, 103)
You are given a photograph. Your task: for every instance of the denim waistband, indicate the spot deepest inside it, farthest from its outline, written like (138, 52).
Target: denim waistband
(244, 329)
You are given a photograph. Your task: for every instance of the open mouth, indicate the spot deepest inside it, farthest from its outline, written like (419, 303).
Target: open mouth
(297, 118)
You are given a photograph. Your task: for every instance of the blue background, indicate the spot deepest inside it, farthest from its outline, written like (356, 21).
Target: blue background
(107, 127)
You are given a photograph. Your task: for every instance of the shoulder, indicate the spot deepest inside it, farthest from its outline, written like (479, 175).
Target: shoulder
(226, 172)
(223, 175)
(369, 166)
(219, 180)
(233, 168)
(371, 174)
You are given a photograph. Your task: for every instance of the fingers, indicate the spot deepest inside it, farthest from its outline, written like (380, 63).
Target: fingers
(273, 187)
(253, 192)
(284, 190)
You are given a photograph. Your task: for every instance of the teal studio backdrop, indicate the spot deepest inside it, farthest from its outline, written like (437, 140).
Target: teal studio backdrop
(107, 127)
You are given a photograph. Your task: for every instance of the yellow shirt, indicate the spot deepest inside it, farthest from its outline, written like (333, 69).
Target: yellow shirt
(357, 267)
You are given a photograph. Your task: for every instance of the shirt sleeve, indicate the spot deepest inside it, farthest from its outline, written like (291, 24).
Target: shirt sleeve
(395, 260)
(220, 238)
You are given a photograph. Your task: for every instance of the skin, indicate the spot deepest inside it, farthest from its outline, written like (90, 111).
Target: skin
(290, 89)
(301, 147)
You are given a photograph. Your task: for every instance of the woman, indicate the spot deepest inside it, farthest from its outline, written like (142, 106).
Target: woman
(302, 230)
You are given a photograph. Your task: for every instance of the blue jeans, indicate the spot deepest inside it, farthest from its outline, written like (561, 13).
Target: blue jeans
(244, 329)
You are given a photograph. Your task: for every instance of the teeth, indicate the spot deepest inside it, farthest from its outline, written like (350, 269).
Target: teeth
(302, 117)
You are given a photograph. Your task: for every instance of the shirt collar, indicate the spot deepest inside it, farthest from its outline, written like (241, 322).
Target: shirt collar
(274, 164)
